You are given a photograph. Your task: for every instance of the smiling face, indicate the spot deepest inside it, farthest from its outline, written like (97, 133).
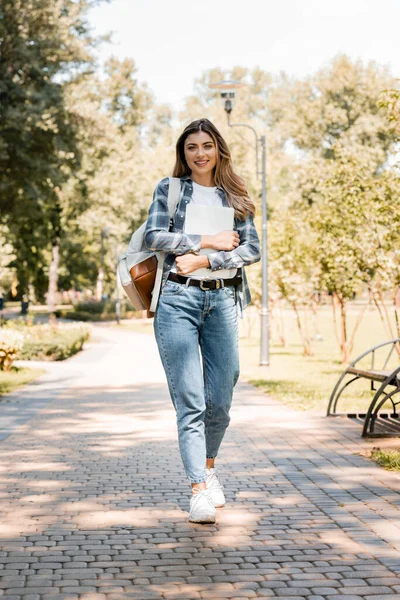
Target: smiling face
(201, 155)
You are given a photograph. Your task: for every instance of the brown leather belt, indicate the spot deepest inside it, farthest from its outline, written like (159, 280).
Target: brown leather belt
(205, 284)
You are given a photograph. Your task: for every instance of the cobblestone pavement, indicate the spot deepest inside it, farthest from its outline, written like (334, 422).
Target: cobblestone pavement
(94, 499)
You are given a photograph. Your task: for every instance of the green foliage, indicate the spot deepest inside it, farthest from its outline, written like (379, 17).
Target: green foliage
(345, 208)
(10, 348)
(13, 379)
(82, 152)
(390, 100)
(389, 459)
(43, 44)
(94, 307)
(48, 342)
(95, 311)
(6, 258)
(341, 102)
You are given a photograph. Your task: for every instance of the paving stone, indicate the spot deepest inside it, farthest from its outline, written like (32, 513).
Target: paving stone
(364, 590)
(306, 517)
(383, 597)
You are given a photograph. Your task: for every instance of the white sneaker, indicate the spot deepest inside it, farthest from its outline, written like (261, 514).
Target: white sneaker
(215, 488)
(202, 509)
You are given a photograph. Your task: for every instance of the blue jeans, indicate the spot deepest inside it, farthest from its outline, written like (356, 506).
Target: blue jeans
(197, 337)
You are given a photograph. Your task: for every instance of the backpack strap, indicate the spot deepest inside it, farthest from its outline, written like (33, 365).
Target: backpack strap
(174, 191)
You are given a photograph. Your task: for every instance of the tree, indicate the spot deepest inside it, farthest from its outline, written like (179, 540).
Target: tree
(294, 268)
(113, 186)
(43, 46)
(339, 103)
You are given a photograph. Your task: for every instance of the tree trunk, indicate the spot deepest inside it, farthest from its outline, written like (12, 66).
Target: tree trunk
(335, 320)
(281, 327)
(99, 285)
(341, 327)
(356, 326)
(343, 331)
(396, 306)
(379, 303)
(307, 347)
(53, 276)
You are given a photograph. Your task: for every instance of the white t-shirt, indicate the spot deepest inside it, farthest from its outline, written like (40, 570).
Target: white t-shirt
(208, 196)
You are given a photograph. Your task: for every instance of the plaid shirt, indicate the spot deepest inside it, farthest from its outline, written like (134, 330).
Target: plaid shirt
(160, 237)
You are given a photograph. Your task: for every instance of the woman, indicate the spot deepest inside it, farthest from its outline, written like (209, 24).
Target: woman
(196, 318)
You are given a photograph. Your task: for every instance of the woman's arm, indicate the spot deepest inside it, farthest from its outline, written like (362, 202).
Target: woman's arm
(157, 236)
(246, 253)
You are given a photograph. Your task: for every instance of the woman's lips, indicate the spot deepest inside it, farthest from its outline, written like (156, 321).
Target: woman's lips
(201, 163)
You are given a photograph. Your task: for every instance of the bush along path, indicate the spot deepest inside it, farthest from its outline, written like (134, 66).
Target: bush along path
(96, 501)
(24, 340)
(27, 340)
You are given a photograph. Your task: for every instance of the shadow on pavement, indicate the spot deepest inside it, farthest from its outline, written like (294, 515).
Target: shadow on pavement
(94, 500)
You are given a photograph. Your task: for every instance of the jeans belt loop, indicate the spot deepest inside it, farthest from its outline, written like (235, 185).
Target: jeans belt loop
(188, 282)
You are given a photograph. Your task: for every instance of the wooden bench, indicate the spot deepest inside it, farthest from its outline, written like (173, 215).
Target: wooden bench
(376, 423)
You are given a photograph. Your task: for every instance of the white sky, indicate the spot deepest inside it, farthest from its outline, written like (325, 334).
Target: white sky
(173, 41)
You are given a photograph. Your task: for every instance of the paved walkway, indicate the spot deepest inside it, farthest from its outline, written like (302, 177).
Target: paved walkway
(93, 497)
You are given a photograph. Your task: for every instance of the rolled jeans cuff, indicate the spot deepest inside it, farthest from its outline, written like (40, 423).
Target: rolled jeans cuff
(197, 480)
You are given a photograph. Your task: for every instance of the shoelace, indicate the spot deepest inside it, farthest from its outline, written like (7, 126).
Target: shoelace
(205, 493)
(213, 481)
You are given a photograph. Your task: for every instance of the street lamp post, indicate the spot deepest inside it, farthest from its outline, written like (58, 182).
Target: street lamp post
(100, 278)
(228, 89)
(117, 294)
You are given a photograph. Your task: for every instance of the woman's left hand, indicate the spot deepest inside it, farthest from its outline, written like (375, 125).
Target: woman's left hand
(187, 263)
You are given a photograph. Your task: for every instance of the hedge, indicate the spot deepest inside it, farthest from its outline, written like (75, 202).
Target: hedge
(56, 341)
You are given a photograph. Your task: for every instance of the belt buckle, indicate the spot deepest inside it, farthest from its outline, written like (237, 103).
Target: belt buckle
(201, 285)
(202, 281)
(218, 284)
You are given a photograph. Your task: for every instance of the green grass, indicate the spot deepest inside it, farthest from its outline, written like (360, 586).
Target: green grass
(11, 380)
(304, 383)
(389, 459)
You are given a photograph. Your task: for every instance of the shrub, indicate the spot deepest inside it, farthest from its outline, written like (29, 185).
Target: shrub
(97, 311)
(10, 346)
(55, 341)
(93, 307)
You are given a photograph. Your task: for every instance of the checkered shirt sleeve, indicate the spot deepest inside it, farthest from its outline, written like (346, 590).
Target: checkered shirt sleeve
(246, 253)
(157, 236)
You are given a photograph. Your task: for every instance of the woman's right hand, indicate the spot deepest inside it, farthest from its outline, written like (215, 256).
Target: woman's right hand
(225, 240)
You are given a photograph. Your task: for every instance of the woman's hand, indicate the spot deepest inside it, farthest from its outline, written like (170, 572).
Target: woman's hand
(187, 263)
(225, 240)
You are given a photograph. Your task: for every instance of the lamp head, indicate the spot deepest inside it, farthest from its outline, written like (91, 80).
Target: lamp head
(227, 89)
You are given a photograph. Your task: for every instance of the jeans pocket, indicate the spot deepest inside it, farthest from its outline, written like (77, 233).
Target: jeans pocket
(229, 291)
(172, 289)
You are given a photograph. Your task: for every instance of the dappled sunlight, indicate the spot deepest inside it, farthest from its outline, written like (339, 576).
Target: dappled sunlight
(234, 524)
(95, 479)
(38, 498)
(289, 500)
(133, 517)
(36, 467)
(102, 422)
(338, 539)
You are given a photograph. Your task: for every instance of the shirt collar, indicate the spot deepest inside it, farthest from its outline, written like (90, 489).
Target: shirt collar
(188, 178)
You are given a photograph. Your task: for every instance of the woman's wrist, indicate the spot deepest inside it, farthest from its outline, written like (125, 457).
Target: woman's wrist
(203, 261)
(208, 241)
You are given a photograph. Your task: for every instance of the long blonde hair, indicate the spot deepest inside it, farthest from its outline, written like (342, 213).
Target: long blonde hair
(224, 176)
